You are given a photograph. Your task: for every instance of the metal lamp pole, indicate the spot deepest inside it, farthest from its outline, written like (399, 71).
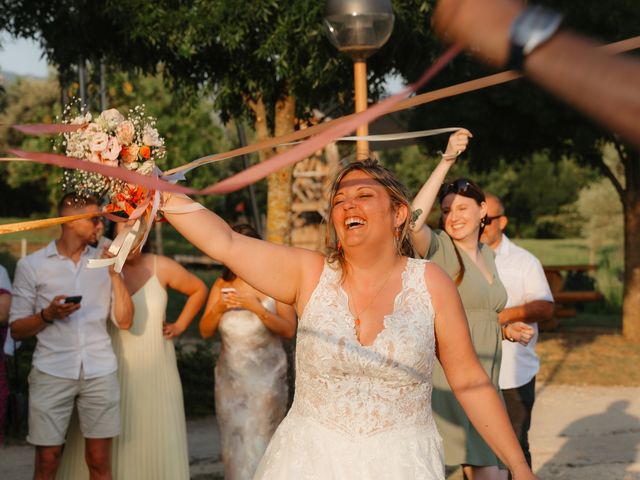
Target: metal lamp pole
(359, 28)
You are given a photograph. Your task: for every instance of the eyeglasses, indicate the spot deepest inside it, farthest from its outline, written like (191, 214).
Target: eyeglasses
(96, 220)
(488, 219)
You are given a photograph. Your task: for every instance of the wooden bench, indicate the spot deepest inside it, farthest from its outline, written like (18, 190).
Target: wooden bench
(565, 300)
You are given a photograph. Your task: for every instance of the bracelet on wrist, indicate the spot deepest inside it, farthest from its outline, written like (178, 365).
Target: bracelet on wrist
(449, 156)
(48, 322)
(505, 335)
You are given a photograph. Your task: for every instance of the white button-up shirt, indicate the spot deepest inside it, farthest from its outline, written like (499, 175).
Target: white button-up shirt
(80, 340)
(524, 279)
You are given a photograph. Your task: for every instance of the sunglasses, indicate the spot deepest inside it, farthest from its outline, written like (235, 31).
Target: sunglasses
(461, 186)
(96, 220)
(488, 220)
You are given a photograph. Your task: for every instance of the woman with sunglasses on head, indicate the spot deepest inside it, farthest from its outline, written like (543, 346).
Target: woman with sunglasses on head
(370, 317)
(457, 249)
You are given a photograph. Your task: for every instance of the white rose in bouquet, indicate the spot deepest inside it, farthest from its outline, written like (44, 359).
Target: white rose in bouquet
(99, 142)
(111, 117)
(151, 137)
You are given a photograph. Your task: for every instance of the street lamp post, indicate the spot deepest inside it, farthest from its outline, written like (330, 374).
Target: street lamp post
(359, 28)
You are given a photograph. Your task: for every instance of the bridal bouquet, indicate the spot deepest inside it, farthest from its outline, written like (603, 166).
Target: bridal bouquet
(112, 139)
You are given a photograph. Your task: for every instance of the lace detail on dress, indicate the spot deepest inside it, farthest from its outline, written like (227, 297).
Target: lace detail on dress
(363, 390)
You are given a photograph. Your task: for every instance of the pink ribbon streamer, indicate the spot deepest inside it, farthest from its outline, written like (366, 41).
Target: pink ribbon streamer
(46, 129)
(250, 175)
(152, 183)
(261, 170)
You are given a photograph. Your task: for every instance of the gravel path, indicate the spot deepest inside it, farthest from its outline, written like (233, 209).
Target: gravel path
(586, 433)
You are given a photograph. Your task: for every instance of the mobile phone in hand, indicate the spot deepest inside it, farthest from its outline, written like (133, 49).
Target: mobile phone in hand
(73, 299)
(227, 290)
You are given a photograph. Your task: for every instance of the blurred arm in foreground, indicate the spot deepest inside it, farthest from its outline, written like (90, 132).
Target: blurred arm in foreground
(571, 66)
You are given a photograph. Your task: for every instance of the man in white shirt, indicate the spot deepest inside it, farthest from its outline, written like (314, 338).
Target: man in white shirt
(5, 303)
(73, 363)
(529, 300)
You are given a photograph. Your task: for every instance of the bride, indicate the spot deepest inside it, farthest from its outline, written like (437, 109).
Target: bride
(372, 321)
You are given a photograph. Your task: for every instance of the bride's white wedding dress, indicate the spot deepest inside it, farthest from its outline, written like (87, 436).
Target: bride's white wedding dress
(361, 412)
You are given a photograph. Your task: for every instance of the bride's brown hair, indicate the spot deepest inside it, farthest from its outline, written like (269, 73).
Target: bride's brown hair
(399, 197)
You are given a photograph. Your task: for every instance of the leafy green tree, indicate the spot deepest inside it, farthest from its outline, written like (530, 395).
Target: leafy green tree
(26, 188)
(271, 64)
(190, 130)
(511, 122)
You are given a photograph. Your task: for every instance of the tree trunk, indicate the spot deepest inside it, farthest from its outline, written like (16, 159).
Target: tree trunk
(279, 183)
(631, 301)
(261, 126)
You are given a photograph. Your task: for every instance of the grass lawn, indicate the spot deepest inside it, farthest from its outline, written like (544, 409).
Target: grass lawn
(577, 251)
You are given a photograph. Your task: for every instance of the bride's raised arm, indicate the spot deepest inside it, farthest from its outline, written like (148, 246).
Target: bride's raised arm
(276, 270)
(426, 197)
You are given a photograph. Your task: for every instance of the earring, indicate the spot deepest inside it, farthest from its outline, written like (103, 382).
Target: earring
(396, 232)
(483, 222)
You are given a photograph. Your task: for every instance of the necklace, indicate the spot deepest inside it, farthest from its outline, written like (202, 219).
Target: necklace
(353, 299)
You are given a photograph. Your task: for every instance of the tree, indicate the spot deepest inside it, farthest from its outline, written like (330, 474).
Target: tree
(25, 187)
(190, 130)
(513, 121)
(271, 64)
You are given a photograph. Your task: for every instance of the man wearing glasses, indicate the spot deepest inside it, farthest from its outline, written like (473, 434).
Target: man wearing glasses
(67, 306)
(530, 301)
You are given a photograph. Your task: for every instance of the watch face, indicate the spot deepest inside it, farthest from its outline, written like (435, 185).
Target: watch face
(533, 27)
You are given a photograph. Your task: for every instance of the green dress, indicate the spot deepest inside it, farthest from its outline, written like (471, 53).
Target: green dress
(482, 301)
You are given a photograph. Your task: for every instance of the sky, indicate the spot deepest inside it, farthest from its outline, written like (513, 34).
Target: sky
(21, 56)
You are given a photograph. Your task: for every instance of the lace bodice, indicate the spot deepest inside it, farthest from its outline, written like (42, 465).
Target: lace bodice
(363, 390)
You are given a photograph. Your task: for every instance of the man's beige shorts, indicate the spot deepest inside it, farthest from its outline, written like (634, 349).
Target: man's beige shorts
(51, 402)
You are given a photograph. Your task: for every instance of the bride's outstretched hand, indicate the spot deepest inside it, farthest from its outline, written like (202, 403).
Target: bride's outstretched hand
(458, 142)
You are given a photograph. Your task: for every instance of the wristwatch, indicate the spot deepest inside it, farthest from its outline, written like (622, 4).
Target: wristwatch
(48, 322)
(533, 27)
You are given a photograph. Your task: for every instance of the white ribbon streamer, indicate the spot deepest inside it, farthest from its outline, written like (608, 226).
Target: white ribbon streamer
(120, 247)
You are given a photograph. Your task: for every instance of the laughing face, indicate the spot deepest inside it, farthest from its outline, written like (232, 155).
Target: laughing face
(461, 216)
(362, 211)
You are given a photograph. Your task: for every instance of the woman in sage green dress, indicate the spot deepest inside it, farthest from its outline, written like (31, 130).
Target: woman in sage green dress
(457, 250)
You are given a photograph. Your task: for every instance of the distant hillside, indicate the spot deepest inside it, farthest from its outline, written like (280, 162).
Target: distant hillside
(10, 77)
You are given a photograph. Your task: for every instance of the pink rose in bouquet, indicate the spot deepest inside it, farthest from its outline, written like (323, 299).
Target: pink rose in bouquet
(125, 132)
(113, 150)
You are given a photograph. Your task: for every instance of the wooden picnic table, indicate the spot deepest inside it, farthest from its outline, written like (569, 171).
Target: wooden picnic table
(565, 300)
